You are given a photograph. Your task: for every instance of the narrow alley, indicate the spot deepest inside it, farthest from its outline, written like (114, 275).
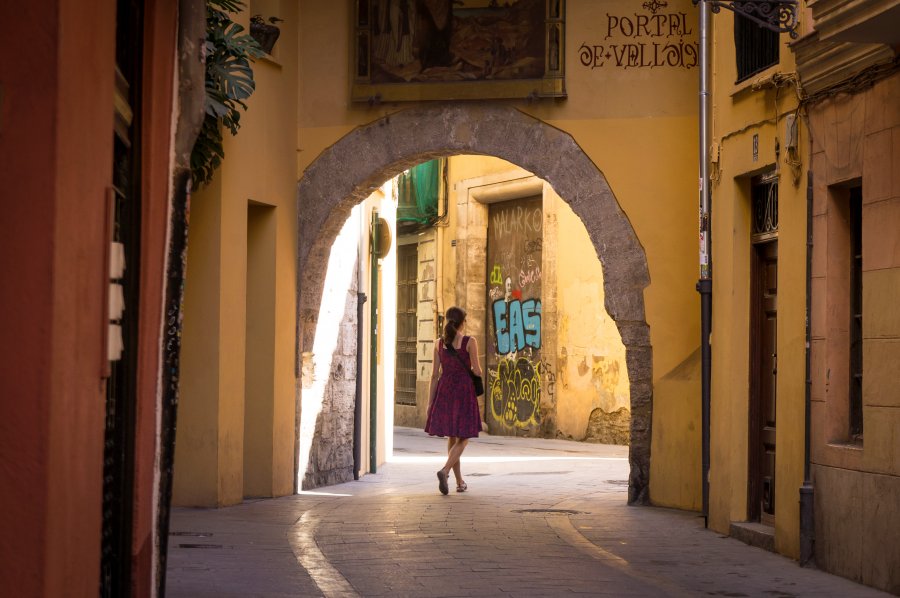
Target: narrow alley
(251, 249)
(540, 518)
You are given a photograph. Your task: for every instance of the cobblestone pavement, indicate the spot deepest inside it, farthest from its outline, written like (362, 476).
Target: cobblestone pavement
(541, 518)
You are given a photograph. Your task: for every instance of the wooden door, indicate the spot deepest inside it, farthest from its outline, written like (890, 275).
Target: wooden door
(763, 373)
(513, 344)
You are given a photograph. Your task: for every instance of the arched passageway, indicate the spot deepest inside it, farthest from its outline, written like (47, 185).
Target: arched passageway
(347, 172)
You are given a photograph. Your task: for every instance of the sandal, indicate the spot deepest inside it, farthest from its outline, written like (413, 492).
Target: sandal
(462, 487)
(442, 482)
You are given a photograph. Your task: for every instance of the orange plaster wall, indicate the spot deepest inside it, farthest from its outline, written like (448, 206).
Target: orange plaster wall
(76, 403)
(27, 148)
(55, 147)
(56, 123)
(857, 482)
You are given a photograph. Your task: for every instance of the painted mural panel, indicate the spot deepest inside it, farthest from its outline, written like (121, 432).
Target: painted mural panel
(513, 344)
(458, 49)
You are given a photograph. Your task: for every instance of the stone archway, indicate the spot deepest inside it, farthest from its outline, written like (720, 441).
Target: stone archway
(347, 172)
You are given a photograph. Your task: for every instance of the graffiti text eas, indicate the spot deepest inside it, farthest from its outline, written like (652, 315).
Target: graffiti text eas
(517, 324)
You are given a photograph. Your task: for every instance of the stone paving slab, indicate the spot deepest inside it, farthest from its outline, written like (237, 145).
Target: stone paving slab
(541, 518)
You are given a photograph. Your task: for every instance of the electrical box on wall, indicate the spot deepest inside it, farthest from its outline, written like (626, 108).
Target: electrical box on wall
(790, 131)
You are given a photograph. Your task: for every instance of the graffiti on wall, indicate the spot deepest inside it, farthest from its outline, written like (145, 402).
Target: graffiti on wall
(516, 392)
(517, 325)
(514, 252)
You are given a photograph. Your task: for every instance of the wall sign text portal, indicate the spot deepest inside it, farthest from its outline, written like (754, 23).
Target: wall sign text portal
(652, 39)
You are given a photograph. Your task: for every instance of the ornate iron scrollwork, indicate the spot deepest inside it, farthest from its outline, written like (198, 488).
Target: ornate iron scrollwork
(776, 15)
(765, 208)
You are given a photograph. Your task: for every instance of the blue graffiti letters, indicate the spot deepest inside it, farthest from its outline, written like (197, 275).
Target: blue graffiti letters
(517, 324)
(531, 315)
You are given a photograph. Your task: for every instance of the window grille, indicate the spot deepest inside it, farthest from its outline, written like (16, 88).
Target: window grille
(764, 197)
(755, 47)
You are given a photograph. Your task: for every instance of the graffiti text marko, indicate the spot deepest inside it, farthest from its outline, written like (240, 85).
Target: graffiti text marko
(517, 220)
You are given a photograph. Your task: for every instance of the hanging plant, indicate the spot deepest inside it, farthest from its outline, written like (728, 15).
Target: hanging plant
(229, 82)
(266, 34)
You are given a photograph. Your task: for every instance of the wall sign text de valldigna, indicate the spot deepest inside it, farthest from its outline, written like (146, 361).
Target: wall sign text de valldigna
(643, 41)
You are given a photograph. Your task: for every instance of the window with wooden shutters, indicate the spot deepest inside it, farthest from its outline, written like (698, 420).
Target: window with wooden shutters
(407, 286)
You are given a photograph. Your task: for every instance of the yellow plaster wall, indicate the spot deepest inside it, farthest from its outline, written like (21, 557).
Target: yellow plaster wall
(469, 166)
(260, 167)
(593, 374)
(738, 113)
(196, 467)
(639, 126)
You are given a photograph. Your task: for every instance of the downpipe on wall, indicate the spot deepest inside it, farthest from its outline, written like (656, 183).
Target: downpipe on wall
(807, 491)
(373, 351)
(357, 404)
(704, 285)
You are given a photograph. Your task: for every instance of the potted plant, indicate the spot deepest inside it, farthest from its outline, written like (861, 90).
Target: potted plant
(266, 34)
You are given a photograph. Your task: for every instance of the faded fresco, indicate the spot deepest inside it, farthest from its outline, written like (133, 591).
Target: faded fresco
(457, 42)
(513, 353)
(444, 40)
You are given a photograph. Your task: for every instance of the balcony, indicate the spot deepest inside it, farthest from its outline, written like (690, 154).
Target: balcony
(848, 37)
(868, 21)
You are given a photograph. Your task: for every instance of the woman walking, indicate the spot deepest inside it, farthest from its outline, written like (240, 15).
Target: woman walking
(453, 406)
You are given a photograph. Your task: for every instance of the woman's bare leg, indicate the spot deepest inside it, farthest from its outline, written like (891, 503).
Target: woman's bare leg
(456, 470)
(454, 454)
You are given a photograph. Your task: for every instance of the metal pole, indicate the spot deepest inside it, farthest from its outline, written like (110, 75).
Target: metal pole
(704, 285)
(357, 404)
(373, 348)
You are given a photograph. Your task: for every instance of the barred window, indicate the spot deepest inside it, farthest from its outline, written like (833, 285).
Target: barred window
(756, 48)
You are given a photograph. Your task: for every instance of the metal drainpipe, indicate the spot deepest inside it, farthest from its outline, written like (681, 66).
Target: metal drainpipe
(373, 348)
(357, 405)
(704, 285)
(807, 491)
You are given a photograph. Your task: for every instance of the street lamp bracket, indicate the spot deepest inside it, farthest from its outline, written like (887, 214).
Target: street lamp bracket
(776, 15)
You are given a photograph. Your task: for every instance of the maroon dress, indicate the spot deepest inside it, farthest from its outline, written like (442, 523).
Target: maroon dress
(454, 410)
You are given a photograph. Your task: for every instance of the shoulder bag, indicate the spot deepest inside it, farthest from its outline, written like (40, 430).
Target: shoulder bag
(476, 379)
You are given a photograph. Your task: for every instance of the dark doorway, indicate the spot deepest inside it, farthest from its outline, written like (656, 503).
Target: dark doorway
(763, 375)
(121, 386)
